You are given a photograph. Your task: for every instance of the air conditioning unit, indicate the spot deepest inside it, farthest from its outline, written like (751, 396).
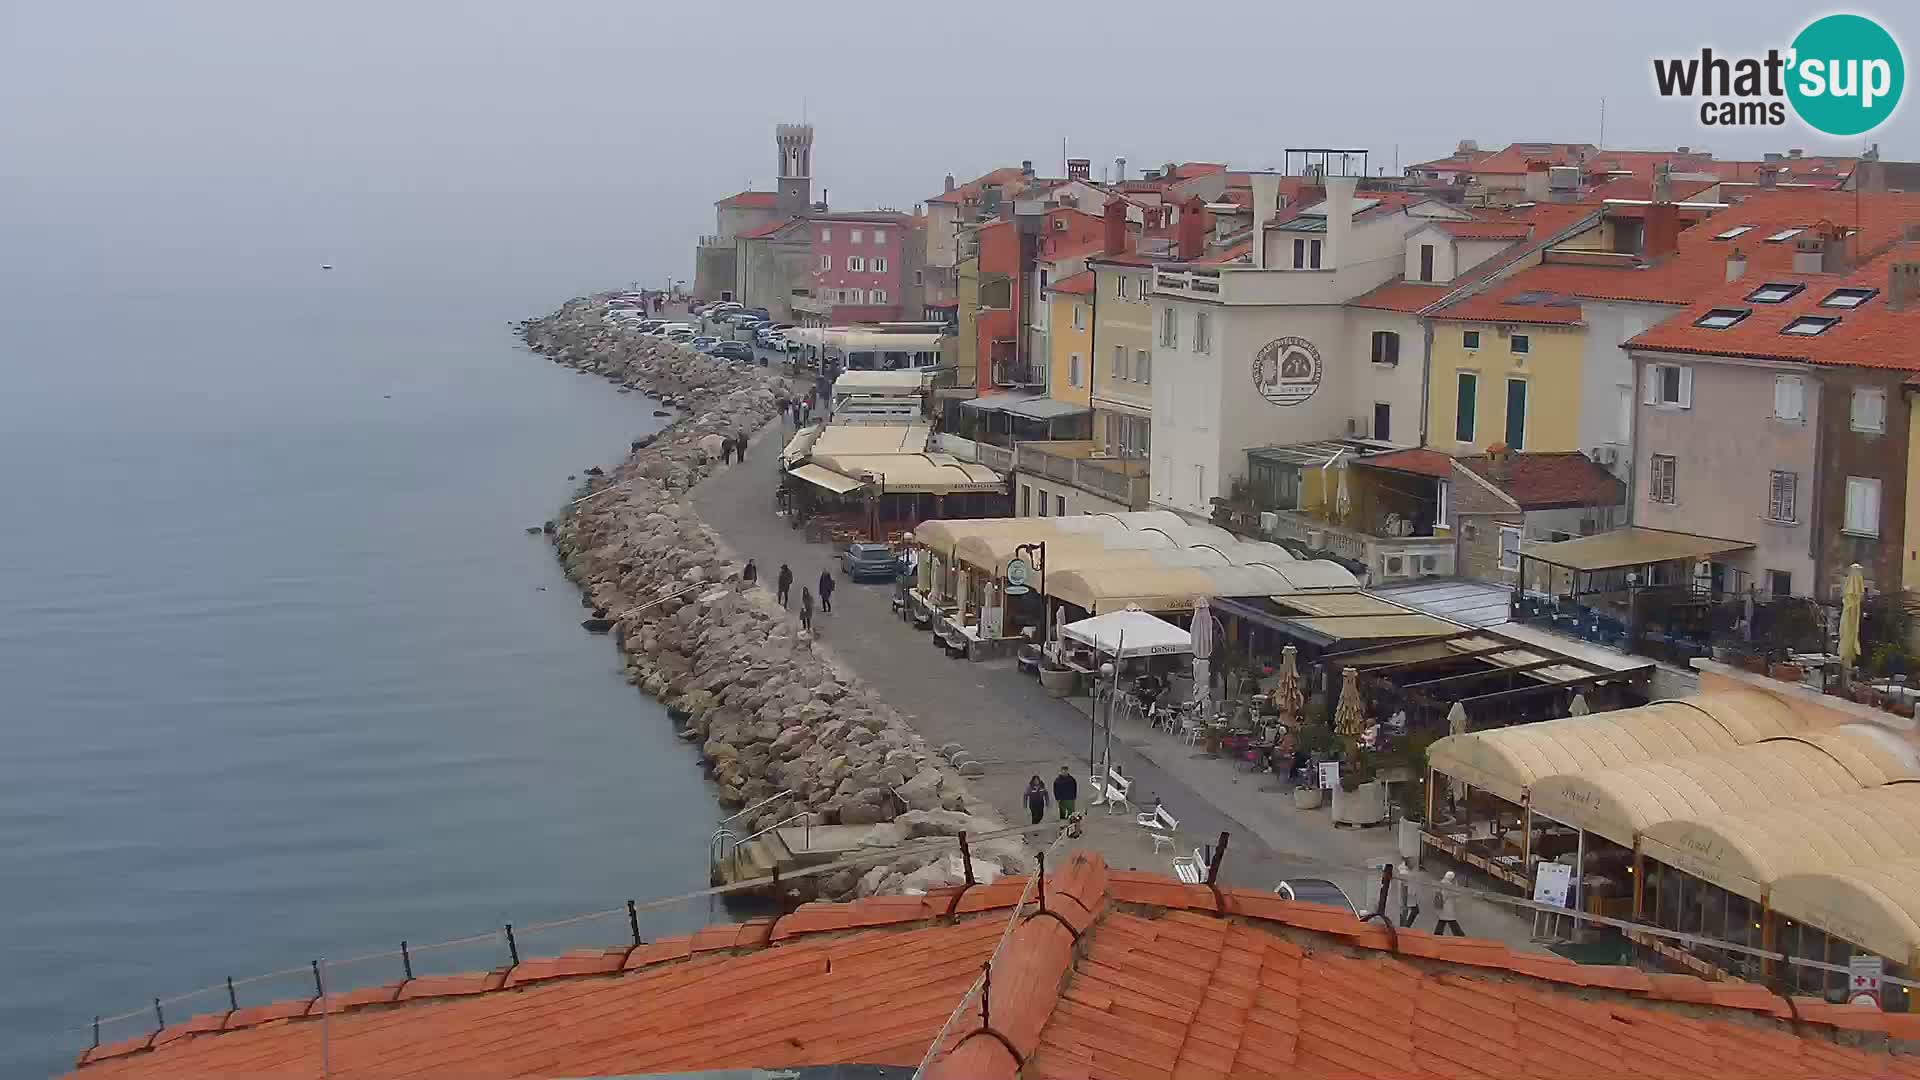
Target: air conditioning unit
(1316, 539)
(1609, 455)
(1269, 522)
(1503, 330)
(1394, 566)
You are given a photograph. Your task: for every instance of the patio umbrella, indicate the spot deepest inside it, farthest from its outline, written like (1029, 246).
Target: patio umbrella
(1202, 631)
(1288, 697)
(1350, 718)
(1579, 706)
(1457, 719)
(1850, 604)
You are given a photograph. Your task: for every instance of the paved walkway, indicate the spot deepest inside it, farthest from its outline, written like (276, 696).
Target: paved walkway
(1003, 716)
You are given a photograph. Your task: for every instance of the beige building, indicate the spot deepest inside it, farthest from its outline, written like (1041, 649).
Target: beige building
(1122, 394)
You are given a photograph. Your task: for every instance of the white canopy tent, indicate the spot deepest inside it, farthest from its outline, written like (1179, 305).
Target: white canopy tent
(1129, 633)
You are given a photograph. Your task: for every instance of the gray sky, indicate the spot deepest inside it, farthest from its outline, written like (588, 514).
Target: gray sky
(590, 139)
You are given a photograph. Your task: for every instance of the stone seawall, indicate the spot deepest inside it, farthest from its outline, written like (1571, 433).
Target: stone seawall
(768, 708)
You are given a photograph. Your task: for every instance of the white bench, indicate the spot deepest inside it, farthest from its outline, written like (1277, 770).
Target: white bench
(1187, 870)
(1116, 789)
(1161, 826)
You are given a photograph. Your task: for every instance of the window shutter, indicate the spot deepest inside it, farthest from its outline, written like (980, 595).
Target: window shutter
(1650, 379)
(1686, 387)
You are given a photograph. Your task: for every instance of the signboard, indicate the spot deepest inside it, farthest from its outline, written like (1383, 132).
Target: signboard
(1287, 370)
(992, 620)
(1553, 884)
(1329, 775)
(1863, 986)
(1018, 574)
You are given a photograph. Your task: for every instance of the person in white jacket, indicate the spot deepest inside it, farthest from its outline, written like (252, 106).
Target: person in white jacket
(1443, 909)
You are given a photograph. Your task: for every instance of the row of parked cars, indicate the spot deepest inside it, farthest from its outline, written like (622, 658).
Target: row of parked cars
(754, 323)
(687, 334)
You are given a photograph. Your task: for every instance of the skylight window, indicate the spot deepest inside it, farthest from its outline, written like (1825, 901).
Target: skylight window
(1786, 234)
(1848, 298)
(1720, 318)
(1737, 230)
(1775, 292)
(1809, 325)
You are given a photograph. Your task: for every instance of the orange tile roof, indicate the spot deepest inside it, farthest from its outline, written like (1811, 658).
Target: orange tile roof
(1871, 335)
(1641, 187)
(768, 229)
(1551, 480)
(1398, 295)
(1129, 975)
(1233, 254)
(971, 189)
(1516, 158)
(754, 200)
(1419, 462)
(1080, 284)
(1519, 299)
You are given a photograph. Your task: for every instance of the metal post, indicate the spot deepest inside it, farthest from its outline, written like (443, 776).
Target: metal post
(406, 961)
(1579, 878)
(966, 859)
(513, 948)
(633, 922)
(1219, 856)
(1042, 881)
(159, 1018)
(96, 1030)
(319, 988)
(986, 995)
(233, 999)
(1386, 883)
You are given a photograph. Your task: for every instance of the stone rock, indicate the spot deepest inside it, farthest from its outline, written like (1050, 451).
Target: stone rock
(862, 813)
(923, 791)
(945, 823)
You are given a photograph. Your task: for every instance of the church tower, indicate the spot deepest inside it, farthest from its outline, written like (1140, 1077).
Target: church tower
(795, 142)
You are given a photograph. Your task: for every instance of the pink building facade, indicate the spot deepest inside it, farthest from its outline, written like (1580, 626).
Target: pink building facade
(859, 265)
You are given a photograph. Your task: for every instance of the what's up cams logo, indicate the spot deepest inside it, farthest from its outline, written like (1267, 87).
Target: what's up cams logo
(1842, 75)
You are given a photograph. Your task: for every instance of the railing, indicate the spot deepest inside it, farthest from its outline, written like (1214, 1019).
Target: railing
(1019, 373)
(1033, 458)
(725, 842)
(1387, 558)
(1130, 491)
(805, 816)
(715, 240)
(998, 458)
(1108, 478)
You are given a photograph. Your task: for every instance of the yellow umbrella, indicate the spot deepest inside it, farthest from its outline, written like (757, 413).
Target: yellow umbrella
(1350, 716)
(1851, 601)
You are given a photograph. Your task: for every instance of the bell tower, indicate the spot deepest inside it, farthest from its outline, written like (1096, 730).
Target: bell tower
(795, 143)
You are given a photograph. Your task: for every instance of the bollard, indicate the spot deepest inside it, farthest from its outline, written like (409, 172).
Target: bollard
(233, 999)
(633, 922)
(1219, 856)
(406, 961)
(159, 1018)
(1386, 883)
(1043, 883)
(513, 949)
(966, 859)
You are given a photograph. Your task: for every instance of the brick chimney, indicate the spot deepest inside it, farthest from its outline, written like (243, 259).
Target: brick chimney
(1661, 236)
(1736, 265)
(950, 183)
(1114, 227)
(1903, 285)
(1193, 227)
(1499, 461)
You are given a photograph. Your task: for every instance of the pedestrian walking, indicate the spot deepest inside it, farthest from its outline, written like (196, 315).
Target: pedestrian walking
(1036, 798)
(751, 574)
(783, 584)
(740, 448)
(726, 451)
(806, 608)
(1065, 790)
(826, 591)
(1444, 914)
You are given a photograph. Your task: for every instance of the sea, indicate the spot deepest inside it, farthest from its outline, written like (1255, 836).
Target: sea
(284, 681)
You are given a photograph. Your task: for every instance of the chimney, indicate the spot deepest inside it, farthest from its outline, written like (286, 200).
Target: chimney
(1660, 236)
(1537, 184)
(1119, 170)
(950, 183)
(1193, 230)
(1499, 461)
(1795, 153)
(1079, 169)
(1903, 285)
(1339, 206)
(1026, 169)
(1769, 177)
(1736, 265)
(1115, 224)
(1266, 199)
(1809, 253)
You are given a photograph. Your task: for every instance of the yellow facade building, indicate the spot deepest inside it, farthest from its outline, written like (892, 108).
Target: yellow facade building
(1122, 355)
(1497, 379)
(1069, 338)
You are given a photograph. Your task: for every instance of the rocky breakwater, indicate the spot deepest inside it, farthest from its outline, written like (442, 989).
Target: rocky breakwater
(735, 671)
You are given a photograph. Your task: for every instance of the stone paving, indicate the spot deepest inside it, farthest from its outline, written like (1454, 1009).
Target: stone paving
(1003, 716)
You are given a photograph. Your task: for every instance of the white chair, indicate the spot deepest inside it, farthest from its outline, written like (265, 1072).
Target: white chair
(1190, 731)
(1187, 870)
(1117, 788)
(1161, 826)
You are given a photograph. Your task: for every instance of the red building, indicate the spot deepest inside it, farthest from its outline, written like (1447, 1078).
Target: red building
(859, 266)
(1008, 286)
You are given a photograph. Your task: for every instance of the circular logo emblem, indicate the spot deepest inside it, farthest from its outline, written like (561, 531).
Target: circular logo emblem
(1286, 371)
(1846, 75)
(1017, 574)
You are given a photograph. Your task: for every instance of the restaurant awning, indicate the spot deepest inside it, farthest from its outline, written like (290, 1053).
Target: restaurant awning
(1325, 618)
(835, 439)
(1508, 761)
(910, 474)
(1030, 406)
(800, 445)
(822, 477)
(1745, 853)
(1631, 546)
(1876, 907)
(1174, 588)
(1129, 632)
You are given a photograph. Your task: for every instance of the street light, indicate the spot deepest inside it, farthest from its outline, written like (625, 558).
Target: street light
(1094, 725)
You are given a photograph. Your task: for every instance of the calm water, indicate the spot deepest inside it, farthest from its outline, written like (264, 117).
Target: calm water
(281, 676)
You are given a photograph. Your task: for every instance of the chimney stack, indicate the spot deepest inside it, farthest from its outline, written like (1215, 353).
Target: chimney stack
(1119, 170)
(1499, 461)
(1115, 225)
(1769, 177)
(1193, 227)
(1266, 203)
(1026, 169)
(1903, 285)
(1736, 265)
(950, 183)
(1809, 253)
(1339, 206)
(1079, 169)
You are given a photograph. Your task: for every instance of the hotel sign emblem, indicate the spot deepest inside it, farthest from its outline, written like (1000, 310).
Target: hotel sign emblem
(1287, 370)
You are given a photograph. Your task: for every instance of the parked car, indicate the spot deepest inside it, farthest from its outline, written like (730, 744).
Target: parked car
(780, 343)
(704, 343)
(1312, 890)
(869, 562)
(733, 350)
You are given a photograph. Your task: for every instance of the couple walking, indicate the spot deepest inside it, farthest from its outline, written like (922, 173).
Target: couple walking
(1065, 791)
(783, 589)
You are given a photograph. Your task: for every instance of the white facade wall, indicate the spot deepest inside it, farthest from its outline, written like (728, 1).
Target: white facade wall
(1607, 389)
(1398, 386)
(1028, 489)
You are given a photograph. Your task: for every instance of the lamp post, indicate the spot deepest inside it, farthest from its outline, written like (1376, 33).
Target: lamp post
(1095, 724)
(1036, 556)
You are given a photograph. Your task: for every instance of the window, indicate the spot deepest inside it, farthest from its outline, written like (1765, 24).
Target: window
(1170, 328)
(1863, 506)
(879, 264)
(1509, 547)
(1143, 366)
(1299, 254)
(1079, 316)
(1044, 504)
(1060, 506)
(1516, 414)
(1469, 339)
(1140, 287)
(1044, 275)
(1737, 230)
(1785, 235)
(1789, 398)
(877, 296)
(1775, 292)
(1660, 485)
(879, 236)
(1720, 318)
(1202, 332)
(826, 262)
(1120, 362)
(1809, 325)
(1313, 254)
(1519, 344)
(826, 235)
(1120, 286)
(1780, 583)
(1783, 496)
(1670, 385)
(1426, 262)
(919, 277)
(1386, 347)
(1026, 500)
(1869, 409)
(1073, 370)
(1848, 298)
(853, 237)
(856, 296)
(1382, 421)
(856, 264)
(1468, 396)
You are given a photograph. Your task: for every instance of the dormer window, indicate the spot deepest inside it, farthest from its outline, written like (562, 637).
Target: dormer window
(1737, 230)
(1809, 325)
(1785, 235)
(1721, 318)
(1775, 292)
(1848, 298)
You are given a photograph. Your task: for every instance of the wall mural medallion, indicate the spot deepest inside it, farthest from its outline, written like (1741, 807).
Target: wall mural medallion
(1287, 370)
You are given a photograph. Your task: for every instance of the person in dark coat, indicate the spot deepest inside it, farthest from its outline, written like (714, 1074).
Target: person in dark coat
(826, 591)
(806, 608)
(751, 574)
(739, 447)
(783, 584)
(1036, 798)
(726, 451)
(1065, 790)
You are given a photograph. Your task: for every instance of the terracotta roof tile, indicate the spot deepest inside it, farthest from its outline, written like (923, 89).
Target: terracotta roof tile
(1550, 480)
(1420, 462)
(1398, 295)
(769, 229)
(1080, 284)
(752, 200)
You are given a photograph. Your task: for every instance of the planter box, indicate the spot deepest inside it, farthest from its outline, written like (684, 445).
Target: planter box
(1059, 681)
(1364, 805)
(1307, 798)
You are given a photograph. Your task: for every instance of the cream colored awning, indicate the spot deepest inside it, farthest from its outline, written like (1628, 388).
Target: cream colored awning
(1508, 761)
(1631, 546)
(1875, 907)
(1175, 588)
(836, 439)
(822, 477)
(1745, 853)
(800, 445)
(911, 474)
(1406, 624)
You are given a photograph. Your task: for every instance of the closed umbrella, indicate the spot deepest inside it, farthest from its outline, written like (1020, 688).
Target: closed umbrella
(1579, 707)
(1289, 699)
(1457, 719)
(1350, 718)
(1850, 604)
(1202, 632)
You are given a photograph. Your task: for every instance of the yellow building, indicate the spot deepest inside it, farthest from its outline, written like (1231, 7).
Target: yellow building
(1502, 372)
(1069, 338)
(1122, 355)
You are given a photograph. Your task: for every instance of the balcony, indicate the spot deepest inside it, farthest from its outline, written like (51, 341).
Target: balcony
(1121, 480)
(1011, 372)
(716, 240)
(1386, 557)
